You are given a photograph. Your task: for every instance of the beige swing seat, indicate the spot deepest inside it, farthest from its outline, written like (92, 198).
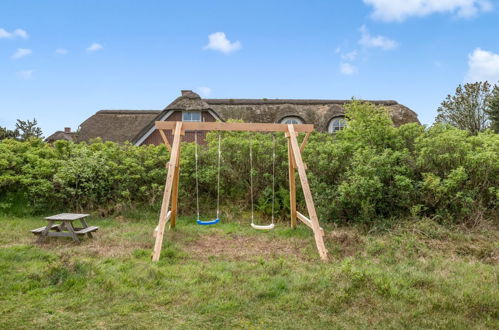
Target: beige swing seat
(263, 227)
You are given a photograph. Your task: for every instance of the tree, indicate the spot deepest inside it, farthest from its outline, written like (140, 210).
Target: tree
(493, 110)
(28, 129)
(6, 133)
(467, 109)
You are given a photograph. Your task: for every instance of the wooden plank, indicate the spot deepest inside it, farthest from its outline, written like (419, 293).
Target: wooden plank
(167, 193)
(168, 215)
(319, 241)
(67, 216)
(165, 140)
(175, 193)
(60, 234)
(307, 221)
(86, 230)
(304, 142)
(292, 185)
(39, 230)
(247, 127)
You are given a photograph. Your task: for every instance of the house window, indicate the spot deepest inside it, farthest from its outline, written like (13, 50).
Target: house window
(291, 120)
(336, 124)
(191, 116)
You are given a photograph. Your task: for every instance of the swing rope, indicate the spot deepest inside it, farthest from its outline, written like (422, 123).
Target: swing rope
(218, 175)
(251, 181)
(197, 181)
(198, 220)
(273, 176)
(255, 226)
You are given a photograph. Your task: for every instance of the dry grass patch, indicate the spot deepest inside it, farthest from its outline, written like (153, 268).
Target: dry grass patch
(237, 247)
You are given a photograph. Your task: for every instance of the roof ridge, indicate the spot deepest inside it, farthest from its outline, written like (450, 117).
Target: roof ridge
(293, 101)
(148, 111)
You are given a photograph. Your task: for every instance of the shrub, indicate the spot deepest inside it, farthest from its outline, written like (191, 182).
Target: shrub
(371, 170)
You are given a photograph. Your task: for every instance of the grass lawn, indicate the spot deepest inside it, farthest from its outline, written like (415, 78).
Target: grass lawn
(417, 275)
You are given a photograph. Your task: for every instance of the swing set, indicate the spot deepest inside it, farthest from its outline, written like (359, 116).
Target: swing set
(169, 213)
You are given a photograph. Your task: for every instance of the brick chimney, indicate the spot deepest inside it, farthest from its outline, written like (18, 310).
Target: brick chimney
(186, 92)
(67, 129)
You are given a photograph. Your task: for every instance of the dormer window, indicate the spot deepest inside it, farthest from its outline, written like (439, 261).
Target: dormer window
(291, 120)
(191, 116)
(336, 124)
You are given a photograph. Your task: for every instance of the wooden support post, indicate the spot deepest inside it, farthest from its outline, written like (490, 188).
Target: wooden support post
(165, 140)
(175, 194)
(304, 142)
(292, 184)
(167, 193)
(319, 241)
(176, 179)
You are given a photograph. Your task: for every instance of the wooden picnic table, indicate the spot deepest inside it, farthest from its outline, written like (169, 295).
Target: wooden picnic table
(65, 227)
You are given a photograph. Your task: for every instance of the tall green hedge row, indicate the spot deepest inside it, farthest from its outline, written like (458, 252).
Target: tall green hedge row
(366, 172)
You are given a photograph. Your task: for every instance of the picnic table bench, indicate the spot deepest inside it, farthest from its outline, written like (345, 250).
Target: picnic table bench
(65, 228)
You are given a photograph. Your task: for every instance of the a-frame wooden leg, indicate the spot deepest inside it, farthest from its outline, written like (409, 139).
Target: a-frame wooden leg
(292, 184)
(173, 163)
(295, 148)
(176, 178)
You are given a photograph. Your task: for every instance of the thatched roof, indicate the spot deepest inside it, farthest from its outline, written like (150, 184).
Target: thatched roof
(116, 125)
(289, 101)
(61, 135)
(318, 112)
(188, 101)
(131, 125)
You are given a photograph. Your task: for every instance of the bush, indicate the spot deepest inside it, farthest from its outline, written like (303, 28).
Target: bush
(369, 171)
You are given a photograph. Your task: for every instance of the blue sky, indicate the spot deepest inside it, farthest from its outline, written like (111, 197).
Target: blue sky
(61, 61)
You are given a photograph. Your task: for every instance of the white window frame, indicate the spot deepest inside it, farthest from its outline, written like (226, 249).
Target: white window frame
(191, 112)
(295, 118)
(332, 128)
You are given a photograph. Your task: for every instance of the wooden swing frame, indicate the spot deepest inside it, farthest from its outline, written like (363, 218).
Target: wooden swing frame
(294, 159)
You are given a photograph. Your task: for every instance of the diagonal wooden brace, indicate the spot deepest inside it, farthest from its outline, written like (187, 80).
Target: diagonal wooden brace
(314, 221)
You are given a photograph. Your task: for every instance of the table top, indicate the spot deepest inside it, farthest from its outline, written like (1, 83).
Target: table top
(67, 216)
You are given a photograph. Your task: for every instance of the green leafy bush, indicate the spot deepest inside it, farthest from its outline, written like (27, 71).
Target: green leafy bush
(369, 171)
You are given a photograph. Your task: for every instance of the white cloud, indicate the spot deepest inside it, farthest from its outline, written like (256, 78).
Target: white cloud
(21, 52)
(483, 65)
(204, 91)
(399, 10)
(20, 33)
(367, 40)
(351, 56)
(4, 34)
(61, 51)
(348, 69)
(218, 41)
(94, 47)
(25, 74)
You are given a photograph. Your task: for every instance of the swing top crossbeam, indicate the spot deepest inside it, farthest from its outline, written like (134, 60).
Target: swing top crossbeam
(246, 127)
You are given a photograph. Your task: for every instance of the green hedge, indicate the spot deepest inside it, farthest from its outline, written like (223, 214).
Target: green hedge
(369, 171)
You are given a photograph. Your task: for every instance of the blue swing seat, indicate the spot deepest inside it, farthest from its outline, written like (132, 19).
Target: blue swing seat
(207, 223)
